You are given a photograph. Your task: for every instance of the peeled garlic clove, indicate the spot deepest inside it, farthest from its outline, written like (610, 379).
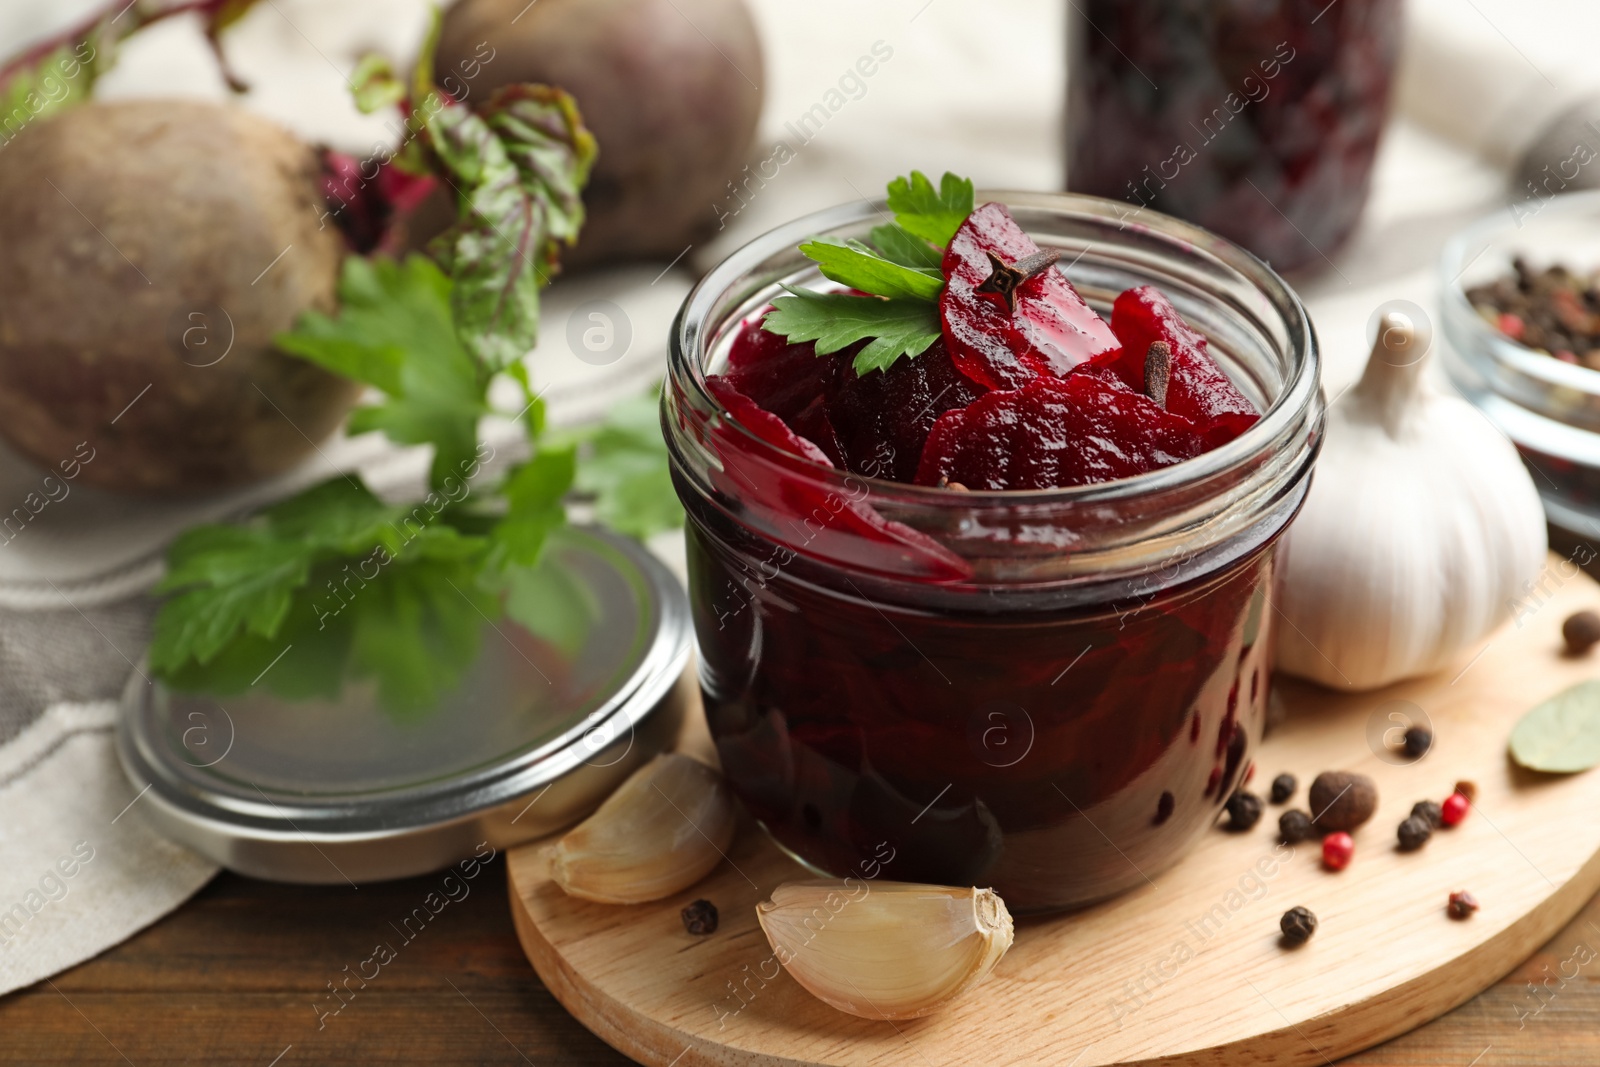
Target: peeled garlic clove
(885, 950)
(664, 829)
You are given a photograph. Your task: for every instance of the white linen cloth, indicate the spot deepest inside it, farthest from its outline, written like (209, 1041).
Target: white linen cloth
(977, 90)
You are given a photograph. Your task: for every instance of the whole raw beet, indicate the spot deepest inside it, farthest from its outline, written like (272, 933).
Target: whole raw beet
(670, 88)
(151, 250)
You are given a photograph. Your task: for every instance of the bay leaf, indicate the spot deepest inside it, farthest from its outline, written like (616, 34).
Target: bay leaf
(1561, 735)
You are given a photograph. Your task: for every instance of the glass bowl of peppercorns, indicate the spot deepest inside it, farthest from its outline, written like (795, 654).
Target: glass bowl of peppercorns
(1520, 309)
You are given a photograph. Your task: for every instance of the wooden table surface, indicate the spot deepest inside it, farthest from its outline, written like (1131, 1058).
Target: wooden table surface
(241, 976)
(236, 979)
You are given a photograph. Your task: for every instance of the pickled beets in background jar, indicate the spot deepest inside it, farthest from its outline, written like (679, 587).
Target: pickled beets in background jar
(1257, 119)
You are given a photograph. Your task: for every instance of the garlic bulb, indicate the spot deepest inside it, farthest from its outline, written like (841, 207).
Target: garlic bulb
(885, 950)
(1418, 535)
(664, 829)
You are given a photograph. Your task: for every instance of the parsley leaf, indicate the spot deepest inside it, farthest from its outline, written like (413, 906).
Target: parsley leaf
(233, 579)
(241, 578)
(834, 320)
(625, 468)
(395, 332)
(534, 493)
(899, 245)
(333, 583)
(548, 602)
(856, 265)
(931, 215)
(417, 630)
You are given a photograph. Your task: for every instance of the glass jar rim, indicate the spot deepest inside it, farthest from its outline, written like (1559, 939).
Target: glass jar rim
(1300, 392)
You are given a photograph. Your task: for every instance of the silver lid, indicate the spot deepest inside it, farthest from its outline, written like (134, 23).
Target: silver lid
(327, 792)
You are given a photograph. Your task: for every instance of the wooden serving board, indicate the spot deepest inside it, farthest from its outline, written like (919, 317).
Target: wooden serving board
(1189, 969)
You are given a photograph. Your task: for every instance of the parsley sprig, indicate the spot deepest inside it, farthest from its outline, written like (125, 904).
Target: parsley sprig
(899, 270)
(336, 585)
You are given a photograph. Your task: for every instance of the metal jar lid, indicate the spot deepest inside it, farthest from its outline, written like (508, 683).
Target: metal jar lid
(539, 732)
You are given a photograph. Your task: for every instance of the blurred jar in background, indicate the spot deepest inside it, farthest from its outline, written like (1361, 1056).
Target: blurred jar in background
(1257, 119)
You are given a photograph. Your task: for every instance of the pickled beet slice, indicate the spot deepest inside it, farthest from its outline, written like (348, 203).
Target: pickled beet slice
(777, 497)
(780, 377)
(814, 425)
(1197, 389)
(883, 417)
(1053, 433)
(1051, 331)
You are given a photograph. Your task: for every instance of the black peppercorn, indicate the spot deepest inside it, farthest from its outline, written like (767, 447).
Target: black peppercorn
(1282, 788)
(1298, 924)
(1295, 826)
(1429, 811)
(1244, 811)
(1414, 833)
(1581, 632)
(700, 918)
(1418, 740)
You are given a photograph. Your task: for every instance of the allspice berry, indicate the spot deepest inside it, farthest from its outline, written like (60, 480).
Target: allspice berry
(1417, 742)
(1298, 924)
(1581, 632)
(1342, 800)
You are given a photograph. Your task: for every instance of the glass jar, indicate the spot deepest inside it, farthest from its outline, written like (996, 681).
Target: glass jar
(1051, 693)
(1258, 119)
(1549, 409)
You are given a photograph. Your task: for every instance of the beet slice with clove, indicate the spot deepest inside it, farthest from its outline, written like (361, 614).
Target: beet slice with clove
(1004, 332)
(1196, 387)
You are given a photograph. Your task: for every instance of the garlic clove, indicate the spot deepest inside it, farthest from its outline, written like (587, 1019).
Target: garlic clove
(885, 950)
(664, 829)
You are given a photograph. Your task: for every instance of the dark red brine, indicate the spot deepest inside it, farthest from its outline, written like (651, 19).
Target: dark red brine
(1057, 754)
(1257, 119)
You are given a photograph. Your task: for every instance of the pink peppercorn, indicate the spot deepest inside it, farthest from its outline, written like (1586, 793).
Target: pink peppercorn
(1510, 325)
(1337, 848)
(1454, 809)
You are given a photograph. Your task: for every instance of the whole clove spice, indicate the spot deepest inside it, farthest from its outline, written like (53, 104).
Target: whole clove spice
(1157, 372)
